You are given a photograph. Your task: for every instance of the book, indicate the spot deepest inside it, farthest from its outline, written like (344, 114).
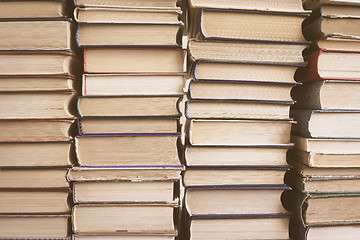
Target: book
(128, 34)
(126, 15)
(322, 208)
(330, 65)
(159, 4)
(127, 150)
(33, 178)
(238, 132)
(231, 109)
(35, 9)
(325, 145)
(326, 123)
(115, 218)
(233, 228)
(313, 4)
(26, 105)
(234, 201)
(336, 26)
(231, 176)
(134, 60)
(327, 94)
(333, 11)
(161, 125)
(125, 84)
(124, 237)
(235, 156)
(39, 84)
(34, 226)
(247, 25)
(35, 130)
(149, 192)
(246, 52)
(240, 91)
(39, 63)
(323, 159)
(334, 44)
(152, 173)
(50, 34)
(34, 202)
(263, 5)
(331, 184)
(208, 70)
(37, 154)
(128, 106)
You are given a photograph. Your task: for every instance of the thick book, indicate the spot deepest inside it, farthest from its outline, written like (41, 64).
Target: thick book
(238, 132)
(327, 94)
(246, 52)
(35, 130)
(225, 90)
(39, 84)
(39, 63)
(264, 227)
(50, 34)
(34, 227)
(128, 34)
(126, 15)
(328, 184)
(314, 4)
(234, 201)
(126, 192)
(159, 4)
(127, 150)
(226, 156)
(326, 145)
(150, 60)
(233, 176)
(91, 174)
(316, 209)
(37, 105)
(131, 125)
(331, 65)
(233, 109)
(127, 84)
(116, 218)
(323, 159)
(275, 73)
(35, 9)
(33, 178)
(326, 123)
(247, 25)
(35, 202)
(37, 154)
(128, 106)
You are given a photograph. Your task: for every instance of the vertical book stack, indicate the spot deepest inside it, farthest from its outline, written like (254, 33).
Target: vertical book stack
(243, 57)
(37, 100)
(326, 159)
(126, 185)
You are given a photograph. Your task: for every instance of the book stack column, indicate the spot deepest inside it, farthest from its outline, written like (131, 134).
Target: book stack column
(326, 176)
(38, 83)
(126, 185)
(243, 57)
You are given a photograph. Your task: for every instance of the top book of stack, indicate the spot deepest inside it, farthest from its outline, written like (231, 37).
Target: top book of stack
(314, 4)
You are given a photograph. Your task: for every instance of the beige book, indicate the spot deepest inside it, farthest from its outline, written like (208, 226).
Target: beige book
(37, 35)
(34, 9)
(123, 15)
(154, 4)
(36, 154)
(134, 60)
(124, 237)
(34, 226)
(333, 232)
(312, 5)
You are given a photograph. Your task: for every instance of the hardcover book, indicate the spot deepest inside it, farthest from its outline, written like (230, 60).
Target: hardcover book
(314, 4)
(158, 4)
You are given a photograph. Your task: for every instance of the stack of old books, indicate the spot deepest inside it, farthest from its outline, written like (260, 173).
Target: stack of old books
(243, 59)
(38, 87)
(326, 158)
(126, 185)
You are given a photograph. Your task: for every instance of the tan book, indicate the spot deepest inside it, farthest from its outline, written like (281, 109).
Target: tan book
(312, 5)
(124, 237)
(157, 4)
(34, 226)
(134, 60)
(58, 34)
